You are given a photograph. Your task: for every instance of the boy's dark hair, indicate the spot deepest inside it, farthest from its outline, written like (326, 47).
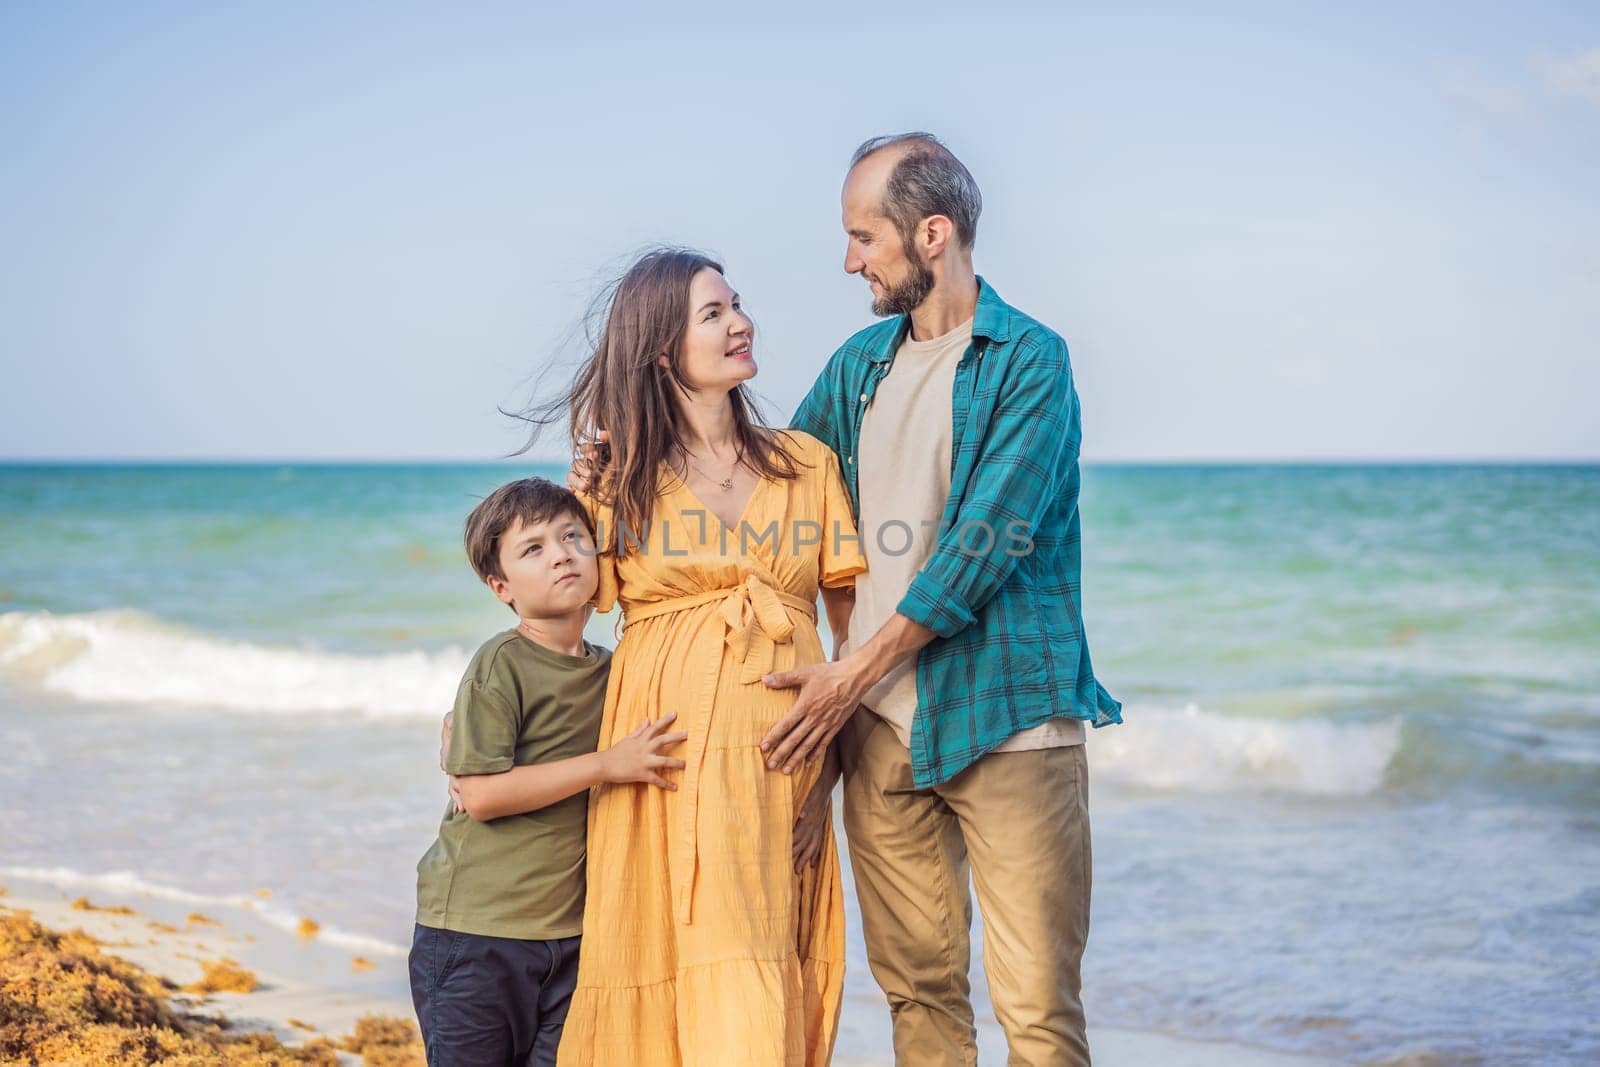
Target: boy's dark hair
(528, 499)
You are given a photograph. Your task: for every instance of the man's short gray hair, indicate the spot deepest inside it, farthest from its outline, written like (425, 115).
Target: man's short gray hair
(927, 180)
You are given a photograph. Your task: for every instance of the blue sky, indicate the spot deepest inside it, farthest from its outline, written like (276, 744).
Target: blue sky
(351, 231)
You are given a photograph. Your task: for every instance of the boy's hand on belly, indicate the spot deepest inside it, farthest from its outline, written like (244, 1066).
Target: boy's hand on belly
(638, 758)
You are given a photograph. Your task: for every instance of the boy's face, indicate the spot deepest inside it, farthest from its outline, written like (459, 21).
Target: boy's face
(550, 567)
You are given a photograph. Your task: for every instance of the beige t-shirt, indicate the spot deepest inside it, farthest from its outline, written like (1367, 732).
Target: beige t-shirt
(904, 482)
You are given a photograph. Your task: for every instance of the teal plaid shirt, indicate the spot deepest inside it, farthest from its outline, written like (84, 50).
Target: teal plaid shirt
(1011, 651)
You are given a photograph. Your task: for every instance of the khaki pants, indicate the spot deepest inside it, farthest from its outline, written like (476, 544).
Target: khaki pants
(1022, 819)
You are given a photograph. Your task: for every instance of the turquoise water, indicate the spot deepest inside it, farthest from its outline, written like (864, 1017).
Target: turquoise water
(1351, 812)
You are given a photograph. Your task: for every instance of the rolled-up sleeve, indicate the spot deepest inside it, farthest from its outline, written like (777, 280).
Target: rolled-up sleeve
(1033, 435)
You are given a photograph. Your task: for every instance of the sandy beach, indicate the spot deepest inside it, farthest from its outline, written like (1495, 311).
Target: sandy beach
(293, 1001)
(308, 989)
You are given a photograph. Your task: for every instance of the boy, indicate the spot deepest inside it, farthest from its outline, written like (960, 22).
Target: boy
(500, 894)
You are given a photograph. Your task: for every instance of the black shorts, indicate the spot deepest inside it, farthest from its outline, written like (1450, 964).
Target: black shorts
(491, 1001)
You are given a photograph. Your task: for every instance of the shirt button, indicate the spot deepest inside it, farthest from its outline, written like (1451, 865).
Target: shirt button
(863, 398)
(851, 461)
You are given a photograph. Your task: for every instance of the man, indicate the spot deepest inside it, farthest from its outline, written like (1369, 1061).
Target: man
(957, 428)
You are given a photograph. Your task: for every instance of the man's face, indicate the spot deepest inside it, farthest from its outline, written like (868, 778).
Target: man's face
(899, 278)
(550, 567)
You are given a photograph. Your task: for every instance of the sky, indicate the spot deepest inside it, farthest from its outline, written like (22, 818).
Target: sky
(326, 232)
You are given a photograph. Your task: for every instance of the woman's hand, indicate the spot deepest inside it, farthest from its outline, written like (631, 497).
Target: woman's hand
(811, 828)
(444, 751)
(816, 813)
(584, 464)
(637, 757)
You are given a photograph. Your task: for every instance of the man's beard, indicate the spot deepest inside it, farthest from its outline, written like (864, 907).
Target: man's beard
(906, 297)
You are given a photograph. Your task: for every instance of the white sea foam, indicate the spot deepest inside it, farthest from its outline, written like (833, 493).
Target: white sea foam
(133, 658)
(128, 883)
(1191, 750)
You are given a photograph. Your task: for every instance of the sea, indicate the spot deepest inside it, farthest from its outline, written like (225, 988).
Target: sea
(1353, 810)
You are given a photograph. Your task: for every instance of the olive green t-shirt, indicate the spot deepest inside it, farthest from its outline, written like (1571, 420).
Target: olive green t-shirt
(522, 875)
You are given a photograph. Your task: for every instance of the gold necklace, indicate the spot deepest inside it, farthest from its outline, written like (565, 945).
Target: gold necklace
(726, 484)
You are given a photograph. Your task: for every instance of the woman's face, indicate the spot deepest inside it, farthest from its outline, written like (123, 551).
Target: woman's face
(716, 354)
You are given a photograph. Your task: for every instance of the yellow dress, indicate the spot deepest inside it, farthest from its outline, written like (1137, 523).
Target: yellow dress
(701, 945)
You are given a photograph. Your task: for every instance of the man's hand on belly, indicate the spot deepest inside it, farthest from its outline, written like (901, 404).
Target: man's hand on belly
(829, 693)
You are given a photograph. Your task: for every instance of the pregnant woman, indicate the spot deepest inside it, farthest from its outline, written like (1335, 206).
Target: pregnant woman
(704, 941)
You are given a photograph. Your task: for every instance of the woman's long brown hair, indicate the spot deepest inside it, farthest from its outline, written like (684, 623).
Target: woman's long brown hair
(623, 388)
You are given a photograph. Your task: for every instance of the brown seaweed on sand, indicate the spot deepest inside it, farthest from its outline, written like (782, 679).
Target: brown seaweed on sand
(62, 1000)
(82, 904)
(223, 976)
(385, 1042)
